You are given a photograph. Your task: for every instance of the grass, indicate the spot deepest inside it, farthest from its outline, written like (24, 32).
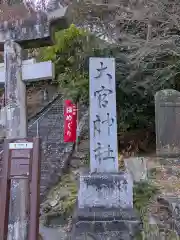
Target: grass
(63, 196)
(144, 192)
(144, 195)
(153, 172)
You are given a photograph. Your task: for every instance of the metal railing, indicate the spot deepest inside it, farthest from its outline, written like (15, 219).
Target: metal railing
(36, 121)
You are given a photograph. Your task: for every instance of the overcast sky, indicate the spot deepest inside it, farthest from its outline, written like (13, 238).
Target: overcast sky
(43, 4)
(37, 3)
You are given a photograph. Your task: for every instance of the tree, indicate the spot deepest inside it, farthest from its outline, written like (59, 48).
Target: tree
(147, 31)
(71, 57)
(70, 53)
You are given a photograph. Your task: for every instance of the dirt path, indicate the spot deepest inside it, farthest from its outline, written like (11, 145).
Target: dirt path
(166, 178)
(52, 233)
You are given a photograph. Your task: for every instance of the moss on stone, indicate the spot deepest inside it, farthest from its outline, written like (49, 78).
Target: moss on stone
(60, 200)
(144, 192)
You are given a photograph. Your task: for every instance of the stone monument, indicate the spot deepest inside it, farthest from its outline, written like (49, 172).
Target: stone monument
(167, 115)
(105, 198)
(24, 25)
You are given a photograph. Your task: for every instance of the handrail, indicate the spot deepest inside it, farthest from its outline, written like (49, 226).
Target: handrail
(43, 113)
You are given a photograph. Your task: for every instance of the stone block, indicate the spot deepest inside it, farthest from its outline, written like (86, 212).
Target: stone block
(106, 214)
(102, 231)
(106, 190)
(137, 167)
(107, 224)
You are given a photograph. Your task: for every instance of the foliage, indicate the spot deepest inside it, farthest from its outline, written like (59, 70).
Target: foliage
(143, 193)
(144, 63)
(147, 31)
(64, 194)
(69, 54)
(143, 36)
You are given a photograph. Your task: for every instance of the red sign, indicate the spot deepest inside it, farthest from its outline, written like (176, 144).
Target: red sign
(70, 121)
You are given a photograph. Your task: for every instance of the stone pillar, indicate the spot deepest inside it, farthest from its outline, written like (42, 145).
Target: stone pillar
(16, 127)
(15, 91)
(105, 198)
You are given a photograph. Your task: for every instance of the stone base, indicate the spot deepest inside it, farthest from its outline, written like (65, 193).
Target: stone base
(105, 224)
(106, 190)
(105, 208)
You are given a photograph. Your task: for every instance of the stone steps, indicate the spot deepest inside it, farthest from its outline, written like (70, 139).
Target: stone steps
(54, 151)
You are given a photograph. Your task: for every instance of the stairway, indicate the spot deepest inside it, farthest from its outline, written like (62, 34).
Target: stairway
(48, 124)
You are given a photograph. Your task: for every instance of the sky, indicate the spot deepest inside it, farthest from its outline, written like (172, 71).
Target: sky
(38, 3)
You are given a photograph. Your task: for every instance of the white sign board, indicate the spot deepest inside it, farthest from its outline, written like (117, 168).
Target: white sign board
(33, 71)
(103, 123)
(20, 145)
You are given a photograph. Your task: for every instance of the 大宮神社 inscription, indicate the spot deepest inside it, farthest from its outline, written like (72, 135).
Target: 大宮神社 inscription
(97, 124)
(103, 125)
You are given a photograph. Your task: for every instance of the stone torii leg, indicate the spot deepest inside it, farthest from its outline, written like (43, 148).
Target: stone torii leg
(16, 126)
(15, 75)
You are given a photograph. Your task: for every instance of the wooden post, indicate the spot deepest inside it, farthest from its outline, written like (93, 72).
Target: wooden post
(35, 192)
(21, 161)
(16, 127)
(5, 189)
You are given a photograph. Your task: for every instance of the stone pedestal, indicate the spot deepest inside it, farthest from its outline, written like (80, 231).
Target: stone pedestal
(105, 208)
(106, 190)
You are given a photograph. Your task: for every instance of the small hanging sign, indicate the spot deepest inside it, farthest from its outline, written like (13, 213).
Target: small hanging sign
(20, 145)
